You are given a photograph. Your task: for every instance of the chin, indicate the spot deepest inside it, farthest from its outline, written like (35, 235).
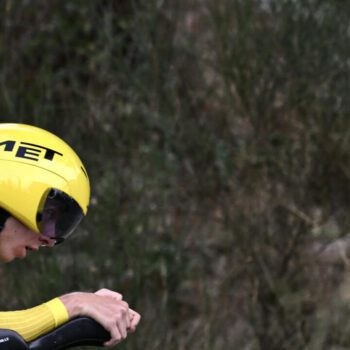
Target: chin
(21, 253)
(10, 255)
(6, 259)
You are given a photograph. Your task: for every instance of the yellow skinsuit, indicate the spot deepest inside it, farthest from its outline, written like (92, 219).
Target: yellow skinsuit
(34, 322)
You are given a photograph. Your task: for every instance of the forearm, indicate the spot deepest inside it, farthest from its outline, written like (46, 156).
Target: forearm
(34, 322)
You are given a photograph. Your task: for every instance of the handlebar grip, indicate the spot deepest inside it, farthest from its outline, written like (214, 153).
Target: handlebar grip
(11, 340)
(77, 332)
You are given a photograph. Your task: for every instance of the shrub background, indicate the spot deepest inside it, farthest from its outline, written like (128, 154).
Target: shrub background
(216, 136)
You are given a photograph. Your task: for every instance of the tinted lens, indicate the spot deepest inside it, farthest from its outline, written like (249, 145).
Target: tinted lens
(60, 216)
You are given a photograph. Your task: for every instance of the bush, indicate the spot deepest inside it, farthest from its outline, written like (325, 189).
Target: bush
(216, 138)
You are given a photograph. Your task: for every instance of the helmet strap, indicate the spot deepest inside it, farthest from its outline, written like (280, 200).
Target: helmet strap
(4, 215)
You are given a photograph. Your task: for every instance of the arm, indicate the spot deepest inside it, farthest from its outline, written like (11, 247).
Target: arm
(34, 322)
(106, 307)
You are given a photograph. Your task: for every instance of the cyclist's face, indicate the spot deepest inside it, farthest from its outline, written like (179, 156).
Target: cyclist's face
(16, 239)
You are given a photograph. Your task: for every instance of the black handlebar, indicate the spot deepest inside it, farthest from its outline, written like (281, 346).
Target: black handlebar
(77, 332)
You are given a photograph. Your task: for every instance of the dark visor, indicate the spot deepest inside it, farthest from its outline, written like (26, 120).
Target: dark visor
(60, 216)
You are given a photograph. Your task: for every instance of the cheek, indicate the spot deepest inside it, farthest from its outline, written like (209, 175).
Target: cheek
(9, 250)
(26, 236)
(20, 239)
(13, 240)
(5, 254)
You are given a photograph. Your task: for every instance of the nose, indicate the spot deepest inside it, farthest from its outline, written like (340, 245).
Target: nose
(46, 241)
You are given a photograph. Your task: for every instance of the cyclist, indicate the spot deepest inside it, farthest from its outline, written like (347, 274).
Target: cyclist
(44, 194)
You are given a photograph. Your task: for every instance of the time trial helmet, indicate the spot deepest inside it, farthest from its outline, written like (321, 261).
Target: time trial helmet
(43, 183)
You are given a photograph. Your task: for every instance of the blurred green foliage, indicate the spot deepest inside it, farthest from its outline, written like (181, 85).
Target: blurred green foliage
(217, 139)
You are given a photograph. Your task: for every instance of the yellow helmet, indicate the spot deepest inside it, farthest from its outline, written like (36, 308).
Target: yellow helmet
(43, 183)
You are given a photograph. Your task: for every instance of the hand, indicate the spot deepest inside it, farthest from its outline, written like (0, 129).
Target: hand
(133, 315)
(107, 308)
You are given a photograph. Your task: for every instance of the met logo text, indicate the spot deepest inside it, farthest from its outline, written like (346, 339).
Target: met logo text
(28, 150)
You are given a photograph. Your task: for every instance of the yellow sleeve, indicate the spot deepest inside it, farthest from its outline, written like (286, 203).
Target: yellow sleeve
(34, 322)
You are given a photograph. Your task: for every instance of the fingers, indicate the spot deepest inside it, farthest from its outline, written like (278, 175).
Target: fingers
(122, 324)
(123, 316)
(115, 337)
(118, 297)
(119, 327)
(134, 320)
(109, 293)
